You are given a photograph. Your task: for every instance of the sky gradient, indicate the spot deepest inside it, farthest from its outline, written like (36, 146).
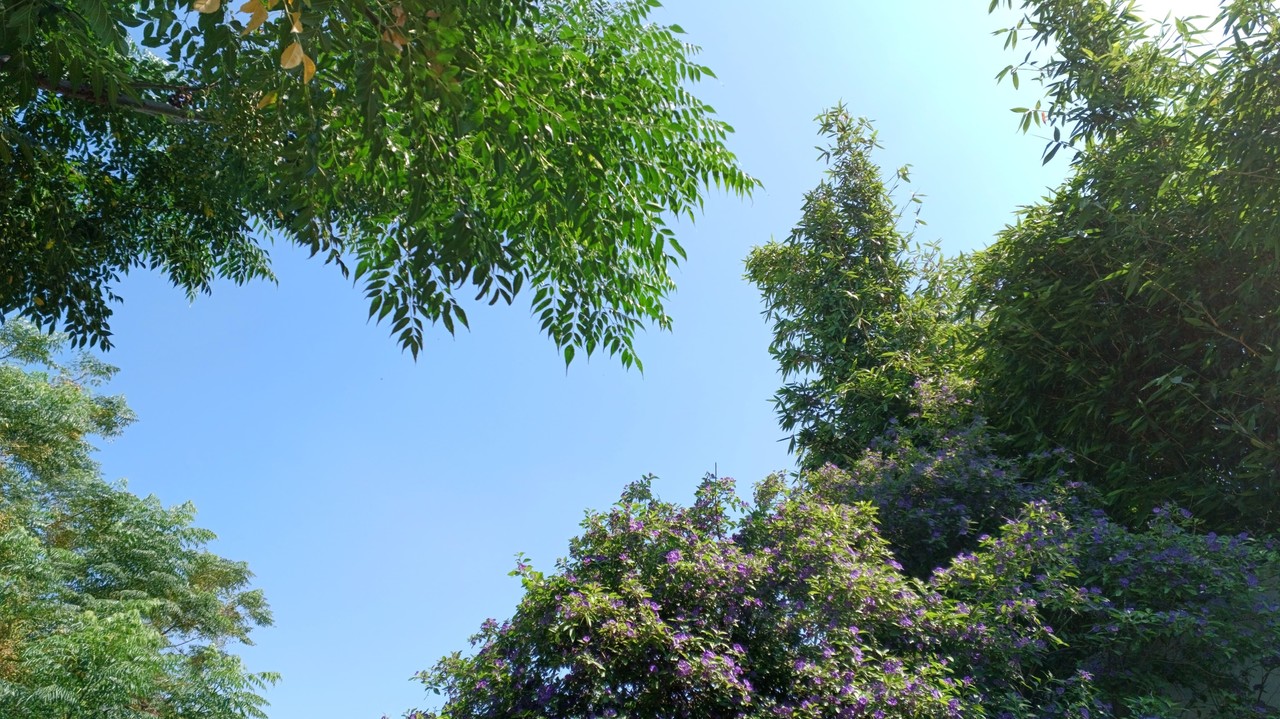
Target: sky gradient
(381, 501)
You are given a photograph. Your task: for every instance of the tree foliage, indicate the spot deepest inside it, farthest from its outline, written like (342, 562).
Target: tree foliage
(1072, 613)
(426, 148)
(794, 609)
(110, 604)
(1095, 619)
(1130, 318)
(793, 605)
(936, 479)
(857, 316)
(1122, 333)
(1133, 316)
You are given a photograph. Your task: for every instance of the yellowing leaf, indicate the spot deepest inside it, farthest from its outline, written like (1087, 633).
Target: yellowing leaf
(399, 16)
(258, 13)
(292, 56)
(395, 38)
(308, 69)
(267, 100)
(206, 6)
(296, 19)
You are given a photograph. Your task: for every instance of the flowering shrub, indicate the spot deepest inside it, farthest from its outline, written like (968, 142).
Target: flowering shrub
(796, 609)
(934, 478)
(1090, 618)
(794, 606)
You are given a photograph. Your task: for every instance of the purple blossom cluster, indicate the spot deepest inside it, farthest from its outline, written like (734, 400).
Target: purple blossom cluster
(1163, 617)
(793, 608)
(936, 489)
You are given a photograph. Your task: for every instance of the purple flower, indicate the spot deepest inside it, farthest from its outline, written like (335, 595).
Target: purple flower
(673, 556)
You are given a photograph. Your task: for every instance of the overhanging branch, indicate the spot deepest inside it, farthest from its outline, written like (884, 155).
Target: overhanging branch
(85, 93)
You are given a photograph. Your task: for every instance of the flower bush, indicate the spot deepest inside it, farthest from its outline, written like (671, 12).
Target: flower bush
(934, 478)
(796, 608)
(1091, 618)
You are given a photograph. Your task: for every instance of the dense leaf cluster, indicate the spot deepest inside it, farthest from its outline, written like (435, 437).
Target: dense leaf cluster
(430, 147)
(856, 317)
(110, 604)
(794, 609)
(1130, 318)
(791, 606)
(1133, 316)
(935, 479)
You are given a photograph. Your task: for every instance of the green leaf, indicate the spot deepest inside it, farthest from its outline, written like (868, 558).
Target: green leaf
(97, 15)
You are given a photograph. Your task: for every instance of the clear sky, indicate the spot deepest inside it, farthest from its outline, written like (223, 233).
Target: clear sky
(381, 501)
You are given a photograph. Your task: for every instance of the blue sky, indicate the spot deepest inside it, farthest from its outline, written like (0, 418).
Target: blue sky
(381, 501)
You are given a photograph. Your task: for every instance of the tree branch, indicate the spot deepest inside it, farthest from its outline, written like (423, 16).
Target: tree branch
(147, 107)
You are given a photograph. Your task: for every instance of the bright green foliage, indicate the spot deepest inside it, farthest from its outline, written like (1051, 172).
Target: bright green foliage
(497, 144)
(110, 606)
(1132, 294)
(1133, 317)
(858, 318)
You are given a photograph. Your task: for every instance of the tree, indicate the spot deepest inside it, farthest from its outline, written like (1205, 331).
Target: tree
(110, 605)
(1076, 612)
(796, 609)
(421, 146)
(858, 317)
(1073, 614)
(1093, 619)
(1132, 317)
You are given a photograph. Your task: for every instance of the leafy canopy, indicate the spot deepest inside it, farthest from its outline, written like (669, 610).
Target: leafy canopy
(893, 358)
(1129, 318)
(110, 605)
(431, 149)
(858, 315)
(945, 569)
(1132, 317)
